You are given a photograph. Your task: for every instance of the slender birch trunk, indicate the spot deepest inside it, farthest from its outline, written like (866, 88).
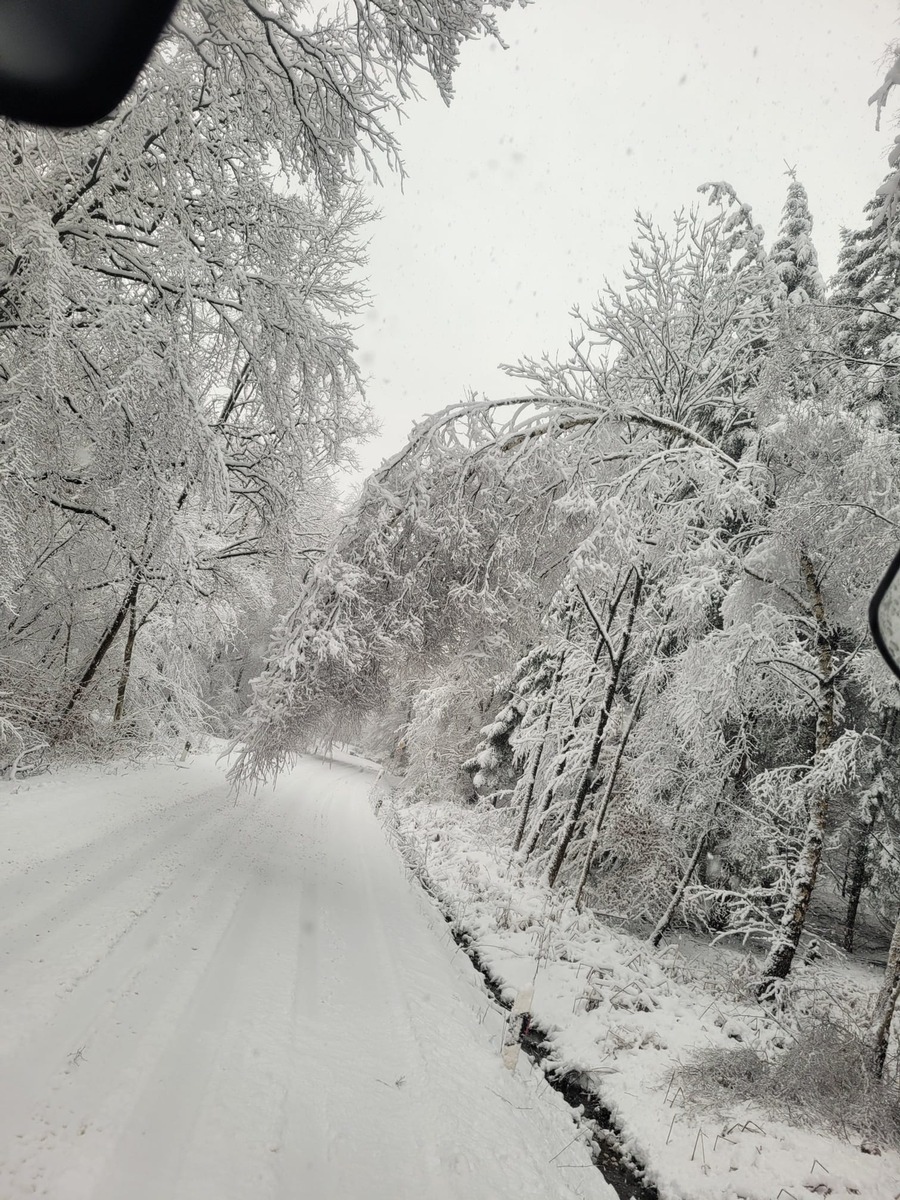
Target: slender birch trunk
(550, 790)
(863, 826)
(859, 858)
(531, 774)
(886, 1004)
(666, 919)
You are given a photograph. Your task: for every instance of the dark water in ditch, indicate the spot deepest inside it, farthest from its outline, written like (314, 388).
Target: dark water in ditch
(616, 1167)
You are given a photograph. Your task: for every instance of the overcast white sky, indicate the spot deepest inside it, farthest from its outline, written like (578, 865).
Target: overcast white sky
(521, 194)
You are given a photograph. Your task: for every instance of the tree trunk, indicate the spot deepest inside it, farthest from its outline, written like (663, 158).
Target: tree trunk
(858, 853)
(886, 1004)
(550, 791)
(603, 806)
(681, 887)
(780, 958)
(534, 763)
(534, 759)
(703, 866)
(587, 777)
(67, 645)
(856, 876)
(126, 661)
(99, 654)
(781, 955)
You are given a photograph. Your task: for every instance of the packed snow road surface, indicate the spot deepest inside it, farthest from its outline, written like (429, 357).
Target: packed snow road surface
(209, 1000)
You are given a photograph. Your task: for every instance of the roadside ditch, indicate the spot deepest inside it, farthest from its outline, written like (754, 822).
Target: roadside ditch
(607, 1152)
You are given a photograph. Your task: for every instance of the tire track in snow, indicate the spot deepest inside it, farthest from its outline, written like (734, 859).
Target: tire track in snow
(414, 966)
(161, 1069)
(125, 825)
(168, 1106)
(355, 1026)
(100, 1028)
(220, 1122)
(109, 861)
(86, 938)
(300, 1131)
(466, 1147)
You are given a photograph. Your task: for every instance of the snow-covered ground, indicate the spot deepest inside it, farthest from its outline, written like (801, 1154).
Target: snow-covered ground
(628, 1019)
(209, 1000)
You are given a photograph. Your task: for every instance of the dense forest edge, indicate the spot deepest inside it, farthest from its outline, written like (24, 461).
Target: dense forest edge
(629, 604)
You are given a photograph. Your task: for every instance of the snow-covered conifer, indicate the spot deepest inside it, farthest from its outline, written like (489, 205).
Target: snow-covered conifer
(793, 254)
(865, 295)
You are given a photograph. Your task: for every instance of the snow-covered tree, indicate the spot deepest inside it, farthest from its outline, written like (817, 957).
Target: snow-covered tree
(176, 359)
(170, 394)
(865, 296)
(496, 764)
(793, 254)
(422, 574)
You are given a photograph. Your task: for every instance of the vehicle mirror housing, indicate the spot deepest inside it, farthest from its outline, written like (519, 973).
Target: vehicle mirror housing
(884, 616)
(70, 62)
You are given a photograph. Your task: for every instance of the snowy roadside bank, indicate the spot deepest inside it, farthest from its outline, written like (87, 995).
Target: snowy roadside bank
(598, 1129)
(627, 1019)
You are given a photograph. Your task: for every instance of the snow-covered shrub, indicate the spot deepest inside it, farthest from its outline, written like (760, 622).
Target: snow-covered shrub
(440, 727)
(824, 1078)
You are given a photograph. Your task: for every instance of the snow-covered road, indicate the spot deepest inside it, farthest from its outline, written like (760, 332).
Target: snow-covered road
(203, 999)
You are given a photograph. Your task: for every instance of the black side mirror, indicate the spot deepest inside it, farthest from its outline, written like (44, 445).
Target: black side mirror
(70, 62)
(884, 616)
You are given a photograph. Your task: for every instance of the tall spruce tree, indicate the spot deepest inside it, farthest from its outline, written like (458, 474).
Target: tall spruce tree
(865, 294)
(793, 255)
